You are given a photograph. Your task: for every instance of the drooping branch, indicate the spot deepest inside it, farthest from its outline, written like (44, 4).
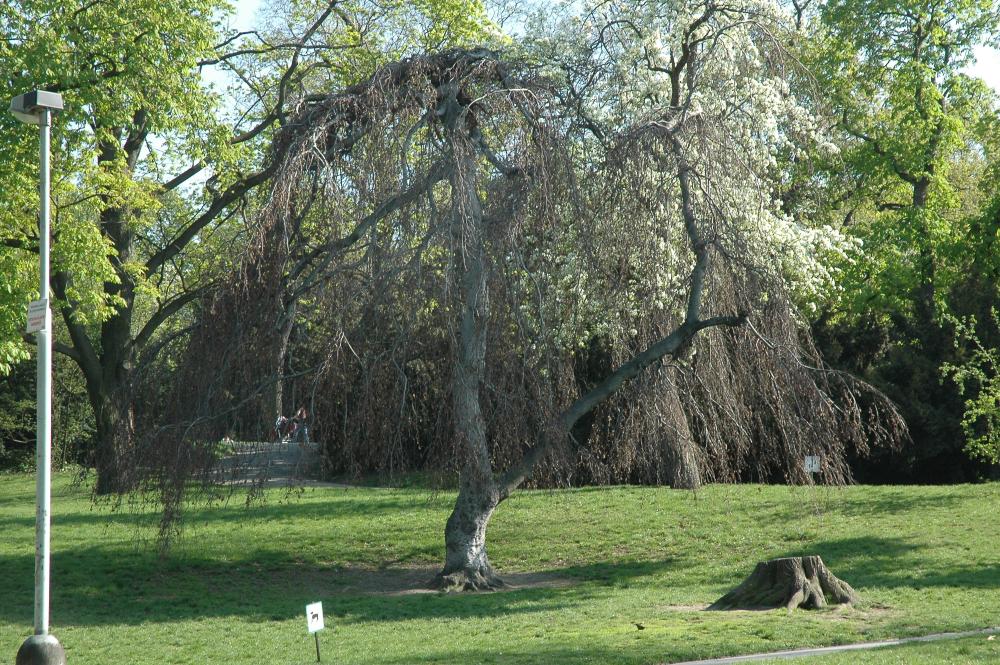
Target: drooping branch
(668, 346)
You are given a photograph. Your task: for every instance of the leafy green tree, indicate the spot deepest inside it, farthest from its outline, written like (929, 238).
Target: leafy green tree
(894, 73)
(909, 124)
(978, 378)
(139, 126)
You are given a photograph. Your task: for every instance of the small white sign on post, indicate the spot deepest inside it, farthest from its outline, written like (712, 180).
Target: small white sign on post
(314, 620)
(812, 463)
(314, 617)
(38, 316)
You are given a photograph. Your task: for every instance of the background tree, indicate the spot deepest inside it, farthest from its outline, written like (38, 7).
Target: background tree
(136, 109)
(912, 133)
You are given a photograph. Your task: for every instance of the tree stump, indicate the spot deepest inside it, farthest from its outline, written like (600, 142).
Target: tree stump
(801, 581)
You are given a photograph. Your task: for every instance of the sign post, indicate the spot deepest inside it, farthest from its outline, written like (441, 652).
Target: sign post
(314, 621)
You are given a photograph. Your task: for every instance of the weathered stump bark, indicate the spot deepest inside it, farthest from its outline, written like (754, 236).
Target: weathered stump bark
(791, 582)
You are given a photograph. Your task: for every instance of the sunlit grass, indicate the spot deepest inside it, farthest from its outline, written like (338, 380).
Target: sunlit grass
(234, 589)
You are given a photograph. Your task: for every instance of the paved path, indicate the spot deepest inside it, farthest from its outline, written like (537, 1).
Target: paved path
(798, 653)
(268, 463)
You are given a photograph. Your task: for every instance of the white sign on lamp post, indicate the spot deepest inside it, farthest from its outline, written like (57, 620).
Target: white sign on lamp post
(36, 108)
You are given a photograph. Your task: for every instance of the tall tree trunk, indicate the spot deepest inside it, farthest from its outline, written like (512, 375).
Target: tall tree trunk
(109, 391)
(115, 435)
(927, 269)
(111, 400)
(275, 402)
(467, 565)
(685, 472)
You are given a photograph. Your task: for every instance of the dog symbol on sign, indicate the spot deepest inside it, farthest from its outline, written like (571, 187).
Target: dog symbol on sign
(314, 617)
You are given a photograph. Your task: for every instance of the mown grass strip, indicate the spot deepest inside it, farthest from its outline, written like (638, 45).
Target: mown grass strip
(589, 565)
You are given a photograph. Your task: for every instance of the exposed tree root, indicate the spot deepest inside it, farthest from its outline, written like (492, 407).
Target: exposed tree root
(789, 582)
(467, 580)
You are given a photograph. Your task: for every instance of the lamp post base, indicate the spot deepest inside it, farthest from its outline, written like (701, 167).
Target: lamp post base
(41, 650)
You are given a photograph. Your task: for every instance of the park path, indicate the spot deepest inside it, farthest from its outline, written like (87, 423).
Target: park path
(821, 651)
(283, 463)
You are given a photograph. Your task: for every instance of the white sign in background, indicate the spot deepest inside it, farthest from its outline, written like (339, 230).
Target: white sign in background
(812, 463)
(38, 316)
(314, 617)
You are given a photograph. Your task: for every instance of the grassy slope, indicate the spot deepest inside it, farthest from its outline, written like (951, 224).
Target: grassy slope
(926, 559)
(965, 651)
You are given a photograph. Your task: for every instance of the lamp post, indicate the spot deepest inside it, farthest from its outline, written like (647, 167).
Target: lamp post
(36, 108)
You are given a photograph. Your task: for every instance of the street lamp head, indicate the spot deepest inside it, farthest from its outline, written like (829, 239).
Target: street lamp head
(29, 106)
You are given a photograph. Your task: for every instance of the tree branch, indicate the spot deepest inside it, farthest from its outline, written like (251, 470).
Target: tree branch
(181, 178)
(83, 352)
(233, 193)
(162, 314)
(669, 345)
(59, 347)
(437, 173)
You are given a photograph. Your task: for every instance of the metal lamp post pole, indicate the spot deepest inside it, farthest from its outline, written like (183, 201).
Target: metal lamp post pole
(43, 449)
(42, 648)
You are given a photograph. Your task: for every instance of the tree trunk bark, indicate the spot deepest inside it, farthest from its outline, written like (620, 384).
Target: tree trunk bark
(927, 272)
(275, 403)
(682, 450)
(790, 582)
(115, 432)
(112, 405)
(686, 473)
(467, 566)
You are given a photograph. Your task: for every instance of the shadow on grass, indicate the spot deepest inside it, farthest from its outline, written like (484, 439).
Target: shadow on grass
(874, 502)
(541, 651)
(234, 509)
(871, 561)
(102, 586)
(890, 501)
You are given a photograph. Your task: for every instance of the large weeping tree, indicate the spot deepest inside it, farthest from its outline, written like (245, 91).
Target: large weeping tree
(464, 196)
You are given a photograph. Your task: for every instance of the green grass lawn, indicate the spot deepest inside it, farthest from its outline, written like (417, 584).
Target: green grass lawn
(589, 565)
(980, 649)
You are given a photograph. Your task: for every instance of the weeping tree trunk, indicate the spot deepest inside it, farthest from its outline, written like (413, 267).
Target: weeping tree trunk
(791, 582)
(275, 401)
(467, 566)
(685, 472)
